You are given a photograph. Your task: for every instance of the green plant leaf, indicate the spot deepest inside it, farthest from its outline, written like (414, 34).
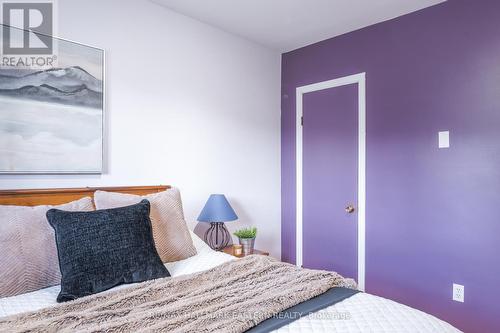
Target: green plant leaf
(246, 233)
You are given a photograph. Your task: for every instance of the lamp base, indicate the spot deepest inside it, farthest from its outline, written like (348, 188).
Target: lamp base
(217, 236)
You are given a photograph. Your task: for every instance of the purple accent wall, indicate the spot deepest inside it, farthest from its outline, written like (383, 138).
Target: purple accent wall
(433, 215)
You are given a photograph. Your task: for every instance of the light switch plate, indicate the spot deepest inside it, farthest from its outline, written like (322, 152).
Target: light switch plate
(444, 139)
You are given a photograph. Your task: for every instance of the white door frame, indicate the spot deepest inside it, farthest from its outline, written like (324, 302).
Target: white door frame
(360, 80)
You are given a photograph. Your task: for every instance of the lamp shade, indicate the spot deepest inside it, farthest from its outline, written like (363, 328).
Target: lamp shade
(217, 209)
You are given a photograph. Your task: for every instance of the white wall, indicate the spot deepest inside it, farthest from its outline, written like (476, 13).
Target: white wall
(187, 105)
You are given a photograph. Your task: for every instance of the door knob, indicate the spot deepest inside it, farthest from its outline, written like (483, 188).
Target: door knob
(350, 209)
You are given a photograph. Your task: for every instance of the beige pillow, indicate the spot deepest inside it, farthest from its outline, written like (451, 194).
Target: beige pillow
(170, 232)
(28, 253)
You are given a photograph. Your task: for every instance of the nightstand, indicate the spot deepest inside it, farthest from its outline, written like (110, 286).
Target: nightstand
(229, 250)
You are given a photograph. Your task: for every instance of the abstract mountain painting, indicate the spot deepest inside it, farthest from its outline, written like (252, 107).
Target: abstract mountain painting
(51, 120)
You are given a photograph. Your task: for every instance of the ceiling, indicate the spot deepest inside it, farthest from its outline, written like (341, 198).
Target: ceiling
(285, 25)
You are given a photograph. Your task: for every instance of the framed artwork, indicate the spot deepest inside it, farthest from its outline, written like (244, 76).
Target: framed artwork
(51, 119)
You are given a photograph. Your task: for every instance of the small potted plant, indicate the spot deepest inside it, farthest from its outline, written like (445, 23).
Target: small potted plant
(246, 237)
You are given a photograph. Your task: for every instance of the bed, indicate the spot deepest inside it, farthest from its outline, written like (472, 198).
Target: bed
(361, 312)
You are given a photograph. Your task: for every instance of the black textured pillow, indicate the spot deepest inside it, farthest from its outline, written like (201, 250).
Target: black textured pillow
(102, 249)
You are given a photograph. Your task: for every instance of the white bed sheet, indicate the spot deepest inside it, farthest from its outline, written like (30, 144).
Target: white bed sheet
(359, 313)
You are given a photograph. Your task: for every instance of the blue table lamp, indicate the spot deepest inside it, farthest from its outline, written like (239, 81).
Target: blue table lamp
(217, 210)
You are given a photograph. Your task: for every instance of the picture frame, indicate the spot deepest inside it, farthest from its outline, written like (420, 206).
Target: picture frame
(52, 120)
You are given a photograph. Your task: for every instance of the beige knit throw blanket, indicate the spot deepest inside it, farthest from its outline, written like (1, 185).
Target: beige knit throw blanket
(232, 297)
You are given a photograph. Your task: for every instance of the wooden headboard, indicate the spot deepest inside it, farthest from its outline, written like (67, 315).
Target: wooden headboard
(57, 196)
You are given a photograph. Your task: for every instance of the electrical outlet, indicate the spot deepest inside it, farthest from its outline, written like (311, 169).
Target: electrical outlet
(458, 292)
